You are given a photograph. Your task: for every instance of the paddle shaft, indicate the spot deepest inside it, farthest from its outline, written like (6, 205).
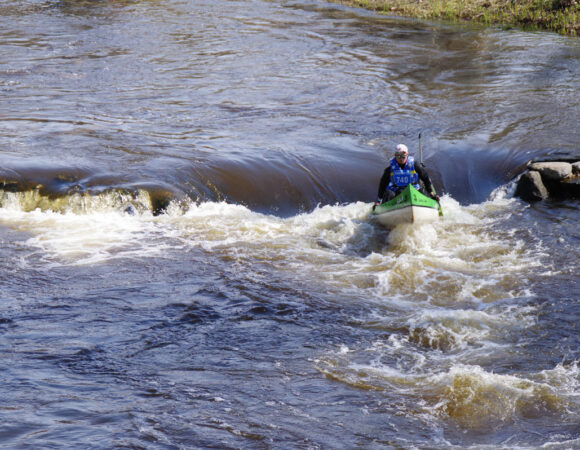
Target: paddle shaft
(420, 150)
(423, 165)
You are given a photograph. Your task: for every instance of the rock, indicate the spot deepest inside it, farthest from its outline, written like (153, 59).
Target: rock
(531, 187)
(556, 171)
(557, 180)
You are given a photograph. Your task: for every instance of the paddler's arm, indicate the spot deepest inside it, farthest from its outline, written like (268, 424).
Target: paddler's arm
(383, 184)
(424, 177)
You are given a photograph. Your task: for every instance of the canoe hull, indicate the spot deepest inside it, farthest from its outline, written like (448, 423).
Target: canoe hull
(408, 215)
(409, 207)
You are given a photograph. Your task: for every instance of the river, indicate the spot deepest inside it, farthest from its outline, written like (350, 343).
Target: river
(188, 259)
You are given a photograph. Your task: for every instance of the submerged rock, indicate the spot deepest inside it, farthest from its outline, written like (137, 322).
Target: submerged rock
(549, 179)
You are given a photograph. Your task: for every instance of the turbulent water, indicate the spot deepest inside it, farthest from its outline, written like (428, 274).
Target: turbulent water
(188, 259)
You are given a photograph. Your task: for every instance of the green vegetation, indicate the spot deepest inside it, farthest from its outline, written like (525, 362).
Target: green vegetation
(562, 16)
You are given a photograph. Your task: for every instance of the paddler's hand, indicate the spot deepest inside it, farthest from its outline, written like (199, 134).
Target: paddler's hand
(435, 197)
(377, 203)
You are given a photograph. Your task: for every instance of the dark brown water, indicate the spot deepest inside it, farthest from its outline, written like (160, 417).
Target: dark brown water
(187, 256)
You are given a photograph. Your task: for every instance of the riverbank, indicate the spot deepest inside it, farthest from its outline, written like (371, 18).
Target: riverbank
(561, 16)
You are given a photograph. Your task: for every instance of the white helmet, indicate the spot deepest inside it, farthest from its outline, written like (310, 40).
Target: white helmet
(401, 148)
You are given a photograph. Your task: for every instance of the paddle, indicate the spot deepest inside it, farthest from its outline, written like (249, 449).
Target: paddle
(423, 165)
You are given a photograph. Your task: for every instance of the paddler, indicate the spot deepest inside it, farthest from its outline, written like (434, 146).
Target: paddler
(400, 172)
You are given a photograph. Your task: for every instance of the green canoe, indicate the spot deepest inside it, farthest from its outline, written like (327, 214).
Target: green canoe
(409, 207)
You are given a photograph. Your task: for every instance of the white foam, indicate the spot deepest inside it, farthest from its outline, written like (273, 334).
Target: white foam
(459, 259)
(85, 239)
(565, 376)
(459, 328)
(473, 389)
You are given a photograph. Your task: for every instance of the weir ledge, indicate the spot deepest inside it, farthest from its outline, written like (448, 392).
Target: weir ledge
(549, 180)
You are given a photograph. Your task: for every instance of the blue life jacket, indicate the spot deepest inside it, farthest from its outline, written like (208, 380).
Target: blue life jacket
(400, 178)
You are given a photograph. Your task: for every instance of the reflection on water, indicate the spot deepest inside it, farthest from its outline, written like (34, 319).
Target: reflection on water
(188, 257)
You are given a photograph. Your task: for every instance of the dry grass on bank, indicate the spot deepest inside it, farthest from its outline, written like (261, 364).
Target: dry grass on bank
(562, 16)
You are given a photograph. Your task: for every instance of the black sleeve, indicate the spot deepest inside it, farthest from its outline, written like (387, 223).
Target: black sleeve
(384, 182)
(424, 177)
